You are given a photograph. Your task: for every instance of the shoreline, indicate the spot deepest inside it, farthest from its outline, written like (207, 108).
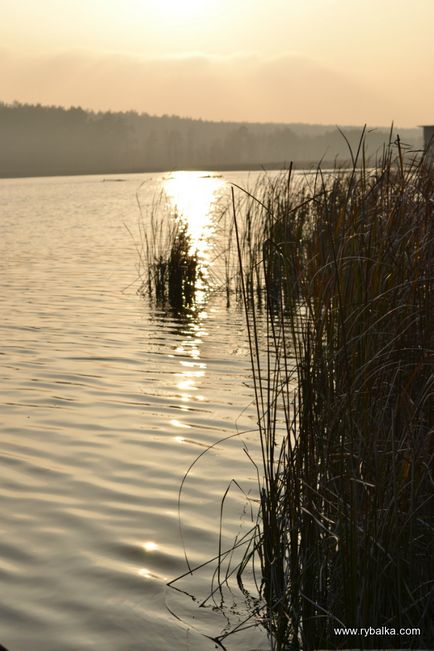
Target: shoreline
(257, 167)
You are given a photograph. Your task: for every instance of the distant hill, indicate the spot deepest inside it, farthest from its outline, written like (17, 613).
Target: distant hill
(40, 140)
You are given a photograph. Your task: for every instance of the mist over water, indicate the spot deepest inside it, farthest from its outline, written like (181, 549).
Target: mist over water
(40, 140)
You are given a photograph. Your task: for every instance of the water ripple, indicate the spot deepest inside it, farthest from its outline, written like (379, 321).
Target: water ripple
(105, 405)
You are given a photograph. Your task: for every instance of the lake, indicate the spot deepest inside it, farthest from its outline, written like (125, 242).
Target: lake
(106, 402)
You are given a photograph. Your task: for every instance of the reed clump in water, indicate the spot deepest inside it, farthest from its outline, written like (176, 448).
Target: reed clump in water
(169, 266)
(271, 195)
(344, 401)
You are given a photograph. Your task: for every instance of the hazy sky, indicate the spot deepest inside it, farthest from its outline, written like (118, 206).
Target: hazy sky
(329, 61)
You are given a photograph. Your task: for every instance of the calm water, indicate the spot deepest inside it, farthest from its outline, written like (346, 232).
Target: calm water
(105, 404)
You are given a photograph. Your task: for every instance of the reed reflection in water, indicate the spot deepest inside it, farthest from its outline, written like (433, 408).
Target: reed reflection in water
(192, 196)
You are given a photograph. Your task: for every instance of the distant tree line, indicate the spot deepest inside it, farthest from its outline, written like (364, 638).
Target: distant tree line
(40, 140)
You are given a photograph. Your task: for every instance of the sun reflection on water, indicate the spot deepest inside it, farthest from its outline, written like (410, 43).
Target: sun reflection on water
(194, 195)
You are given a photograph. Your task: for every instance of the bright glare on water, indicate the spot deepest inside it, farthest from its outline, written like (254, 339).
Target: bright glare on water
(193, 194)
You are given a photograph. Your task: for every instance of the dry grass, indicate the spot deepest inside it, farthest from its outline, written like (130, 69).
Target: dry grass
(345, 529)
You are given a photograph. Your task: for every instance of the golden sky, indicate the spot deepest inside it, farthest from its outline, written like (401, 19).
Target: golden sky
(325, 61)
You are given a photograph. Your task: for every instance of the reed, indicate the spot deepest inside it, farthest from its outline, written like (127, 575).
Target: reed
(169, 267)
(260, 208)
(343, 386)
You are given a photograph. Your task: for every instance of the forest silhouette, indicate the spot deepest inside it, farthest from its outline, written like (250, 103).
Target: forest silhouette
(38, 140)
